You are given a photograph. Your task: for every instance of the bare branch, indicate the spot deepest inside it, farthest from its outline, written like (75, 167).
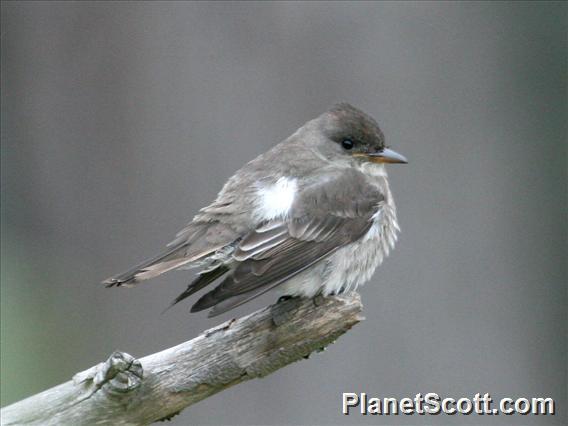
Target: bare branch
(127, 391)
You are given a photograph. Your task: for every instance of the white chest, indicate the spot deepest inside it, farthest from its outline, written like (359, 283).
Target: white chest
(354, 264)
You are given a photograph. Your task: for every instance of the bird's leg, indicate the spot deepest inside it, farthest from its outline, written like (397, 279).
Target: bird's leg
(283, 311)
(318, 299)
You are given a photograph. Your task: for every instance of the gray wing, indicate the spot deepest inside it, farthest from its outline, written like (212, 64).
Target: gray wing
(216, 227)
(333, 211)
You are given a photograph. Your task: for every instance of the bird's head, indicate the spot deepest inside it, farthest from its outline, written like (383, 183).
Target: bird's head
(351, 135)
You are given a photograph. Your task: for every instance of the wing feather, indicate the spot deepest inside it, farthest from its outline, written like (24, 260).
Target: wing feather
(325, 217)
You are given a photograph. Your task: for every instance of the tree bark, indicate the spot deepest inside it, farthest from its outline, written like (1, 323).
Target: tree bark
(127, 391)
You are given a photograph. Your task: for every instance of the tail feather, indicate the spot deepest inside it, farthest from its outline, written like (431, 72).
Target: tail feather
(166, 261)
(204, 279)
(222, 303)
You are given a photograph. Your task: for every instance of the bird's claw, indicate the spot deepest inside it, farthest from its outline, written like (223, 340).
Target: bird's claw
(318, 300)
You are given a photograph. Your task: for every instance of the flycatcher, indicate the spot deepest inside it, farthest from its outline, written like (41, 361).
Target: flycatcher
(313, 215)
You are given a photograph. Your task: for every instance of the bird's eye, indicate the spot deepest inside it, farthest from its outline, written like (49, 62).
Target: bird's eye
(347, 144)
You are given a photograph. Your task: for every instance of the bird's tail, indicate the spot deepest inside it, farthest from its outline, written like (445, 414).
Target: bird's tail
(172, 258)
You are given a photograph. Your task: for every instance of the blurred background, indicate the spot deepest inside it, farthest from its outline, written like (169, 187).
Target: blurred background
(121, 120)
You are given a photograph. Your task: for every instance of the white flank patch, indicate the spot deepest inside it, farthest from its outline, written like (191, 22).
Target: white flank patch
(276, 200)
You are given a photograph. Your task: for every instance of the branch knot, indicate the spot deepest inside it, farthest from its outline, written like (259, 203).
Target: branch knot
(119, 374)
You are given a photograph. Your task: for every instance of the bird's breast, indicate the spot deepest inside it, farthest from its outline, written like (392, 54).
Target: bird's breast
(355, 263)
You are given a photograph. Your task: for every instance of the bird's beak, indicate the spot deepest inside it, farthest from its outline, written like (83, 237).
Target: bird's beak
(387, 156)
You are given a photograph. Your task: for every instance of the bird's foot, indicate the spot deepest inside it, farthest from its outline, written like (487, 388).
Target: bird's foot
(318, 300)
(283, 311)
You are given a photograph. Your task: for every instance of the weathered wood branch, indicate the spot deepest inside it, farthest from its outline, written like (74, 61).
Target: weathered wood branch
(127, 391)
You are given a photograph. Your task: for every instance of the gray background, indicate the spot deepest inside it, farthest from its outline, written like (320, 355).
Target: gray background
(120, 120)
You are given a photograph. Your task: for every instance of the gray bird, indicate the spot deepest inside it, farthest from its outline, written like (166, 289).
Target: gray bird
(313, 215)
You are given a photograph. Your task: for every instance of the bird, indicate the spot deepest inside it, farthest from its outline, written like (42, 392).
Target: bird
(314, 215)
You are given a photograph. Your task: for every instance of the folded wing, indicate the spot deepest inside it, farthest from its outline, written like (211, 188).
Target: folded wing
(331, 212)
